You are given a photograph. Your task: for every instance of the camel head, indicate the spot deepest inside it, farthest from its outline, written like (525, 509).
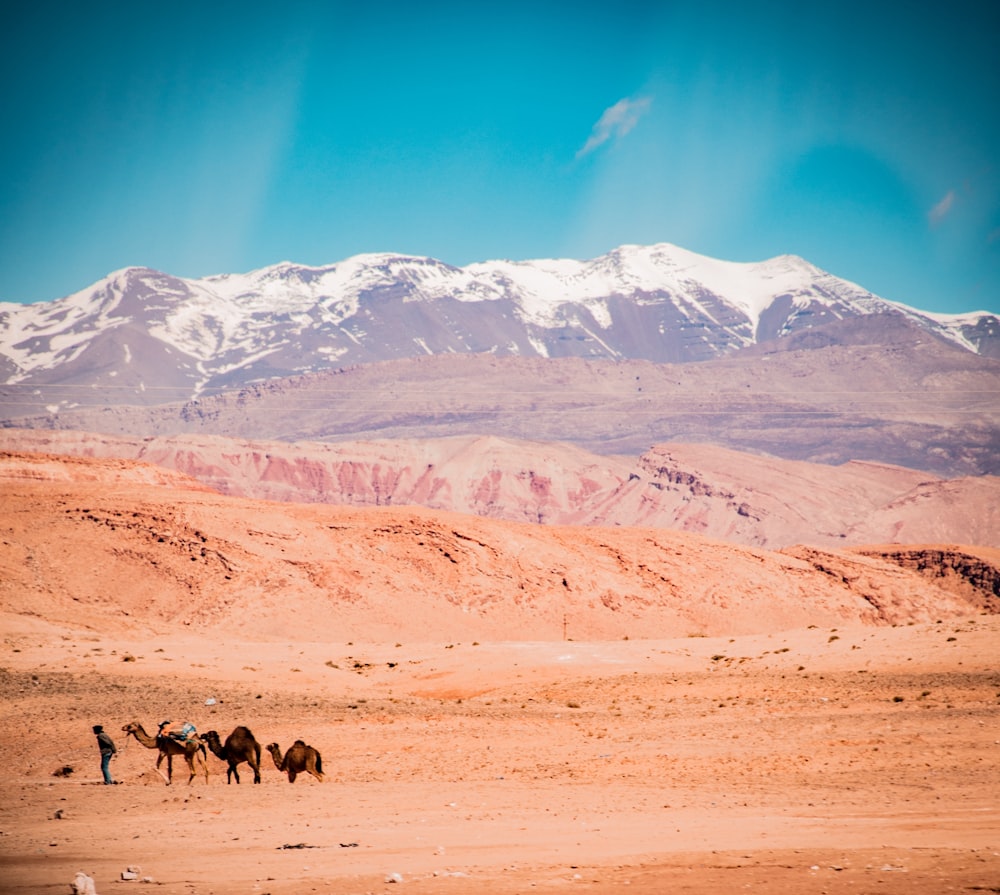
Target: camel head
(279, 759)
(211, 739)
(132, 727)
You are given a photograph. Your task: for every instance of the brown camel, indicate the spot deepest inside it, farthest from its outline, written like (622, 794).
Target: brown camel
(240, 746)
(297, 759)
(169, 747)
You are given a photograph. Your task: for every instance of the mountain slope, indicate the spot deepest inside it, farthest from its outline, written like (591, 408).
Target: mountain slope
(877, 389)
(741, 498)
(146, 337)
(272, 571)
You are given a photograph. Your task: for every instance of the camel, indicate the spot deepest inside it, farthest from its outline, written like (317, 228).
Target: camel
(297, 759)
(168, 749)
(240, 746)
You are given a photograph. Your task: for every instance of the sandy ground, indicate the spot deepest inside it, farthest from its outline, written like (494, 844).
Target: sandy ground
(854, 760)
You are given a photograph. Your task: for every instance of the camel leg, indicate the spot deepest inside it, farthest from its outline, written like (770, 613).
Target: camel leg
(292, 775)
(191, 766)
(159, 761)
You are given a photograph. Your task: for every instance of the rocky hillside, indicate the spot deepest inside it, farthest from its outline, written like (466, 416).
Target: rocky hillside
(739, 497)
(85, 543)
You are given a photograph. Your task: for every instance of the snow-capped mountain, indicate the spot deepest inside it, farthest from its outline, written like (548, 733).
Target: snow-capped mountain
(149, 337)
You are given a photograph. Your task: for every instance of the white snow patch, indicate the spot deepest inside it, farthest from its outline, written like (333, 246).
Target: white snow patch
(351, 336)
(330, 352)
(539, 346)
(967, 319)
(602, 343)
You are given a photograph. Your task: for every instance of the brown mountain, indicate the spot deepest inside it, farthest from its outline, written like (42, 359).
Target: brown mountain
(743, 498)
(87, 540)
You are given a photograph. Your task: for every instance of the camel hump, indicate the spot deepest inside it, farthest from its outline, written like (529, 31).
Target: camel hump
(299, 743)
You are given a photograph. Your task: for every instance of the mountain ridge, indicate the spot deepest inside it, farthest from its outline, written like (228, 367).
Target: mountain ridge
(138, 328)
(741, 498)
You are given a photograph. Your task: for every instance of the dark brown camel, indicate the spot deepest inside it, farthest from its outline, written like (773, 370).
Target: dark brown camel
(297, 759)
(240, 746)
(169, 747)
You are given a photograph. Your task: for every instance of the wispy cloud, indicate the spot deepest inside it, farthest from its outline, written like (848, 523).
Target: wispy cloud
(940, 211)
(616, 121)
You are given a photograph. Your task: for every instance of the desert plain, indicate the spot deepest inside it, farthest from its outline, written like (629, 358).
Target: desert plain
(472, 744)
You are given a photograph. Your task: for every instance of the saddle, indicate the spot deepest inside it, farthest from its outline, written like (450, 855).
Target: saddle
(186, 733)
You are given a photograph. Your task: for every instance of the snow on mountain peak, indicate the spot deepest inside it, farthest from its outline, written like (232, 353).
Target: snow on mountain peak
(659, 302)
(538, 287)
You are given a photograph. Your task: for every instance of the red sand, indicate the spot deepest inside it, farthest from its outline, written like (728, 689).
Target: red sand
(838, 758)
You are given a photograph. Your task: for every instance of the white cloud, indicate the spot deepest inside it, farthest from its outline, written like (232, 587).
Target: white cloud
(616, 121)
(940, 211)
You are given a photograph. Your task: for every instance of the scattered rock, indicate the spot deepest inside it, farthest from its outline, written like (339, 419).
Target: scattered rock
(83, 884)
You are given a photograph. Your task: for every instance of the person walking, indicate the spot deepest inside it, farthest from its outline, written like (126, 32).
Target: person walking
(108, 751)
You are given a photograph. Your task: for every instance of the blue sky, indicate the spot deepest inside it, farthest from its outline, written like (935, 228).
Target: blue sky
(223, 137)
